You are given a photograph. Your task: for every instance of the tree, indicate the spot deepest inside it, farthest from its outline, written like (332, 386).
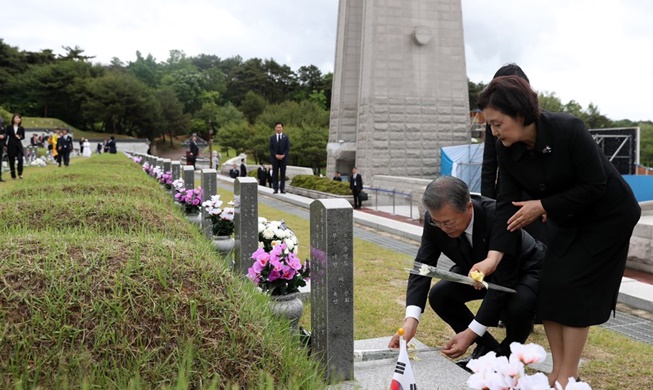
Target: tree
(252, 106)
(145, 69)
(549, 101)
(75, 54)
(174, 121)
(187, 84)
(474, 89)
(594, 119)
(122, 104)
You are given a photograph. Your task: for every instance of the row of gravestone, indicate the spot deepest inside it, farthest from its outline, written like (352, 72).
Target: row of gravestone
(331, 259)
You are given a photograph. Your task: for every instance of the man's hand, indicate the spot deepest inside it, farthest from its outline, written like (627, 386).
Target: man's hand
(528, 212)
(280, 156)
(487, 266)
(410, 328)
(459, 343)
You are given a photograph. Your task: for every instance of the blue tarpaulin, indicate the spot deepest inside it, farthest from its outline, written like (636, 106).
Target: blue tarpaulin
(463, 162)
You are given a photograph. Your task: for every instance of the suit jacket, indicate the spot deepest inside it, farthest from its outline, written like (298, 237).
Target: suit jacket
(194, 150)
(3, 141)
(358, 180)
(282, 147)
(490, 165)
(583, 194)
(14, 144)
(435, 242)
(111, 145)
(243, 170)
(262, 174)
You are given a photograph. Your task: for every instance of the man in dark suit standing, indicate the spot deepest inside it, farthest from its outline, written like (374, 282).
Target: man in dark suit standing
(3, 141)
(111, 145)
(193, 151)
(243, 168)
(262, 175)
(279, 149)
(460, 226)
(356, 186)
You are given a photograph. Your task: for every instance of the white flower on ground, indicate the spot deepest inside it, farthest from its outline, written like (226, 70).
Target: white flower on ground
(528, 354)
(537, 381)
(573, 385)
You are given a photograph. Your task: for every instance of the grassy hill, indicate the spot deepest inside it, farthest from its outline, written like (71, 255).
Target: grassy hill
(107, 291)
(53, 123)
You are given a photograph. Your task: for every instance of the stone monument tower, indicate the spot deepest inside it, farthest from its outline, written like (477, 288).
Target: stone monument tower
(399, 87)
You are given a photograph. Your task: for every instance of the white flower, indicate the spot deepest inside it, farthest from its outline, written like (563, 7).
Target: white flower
(528, 354)
(289, 244)
(262, 221)
(268, 234)
(573, 385)
(424, 269)
(537, 381)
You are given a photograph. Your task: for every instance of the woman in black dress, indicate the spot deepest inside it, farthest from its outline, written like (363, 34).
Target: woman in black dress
(15, 134)
(589, 210)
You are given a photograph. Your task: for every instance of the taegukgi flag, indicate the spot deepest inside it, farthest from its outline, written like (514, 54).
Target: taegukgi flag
(403, 378)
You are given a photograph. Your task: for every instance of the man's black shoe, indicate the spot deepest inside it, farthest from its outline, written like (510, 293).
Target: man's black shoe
(479, 351)
(275, 192)
(283, 192)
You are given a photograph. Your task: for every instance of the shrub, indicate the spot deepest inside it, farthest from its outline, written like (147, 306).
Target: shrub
(324, 184)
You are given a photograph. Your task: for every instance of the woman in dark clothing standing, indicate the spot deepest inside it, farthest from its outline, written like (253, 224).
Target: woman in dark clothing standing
(590, 213)
(193, 151)
(15, 134)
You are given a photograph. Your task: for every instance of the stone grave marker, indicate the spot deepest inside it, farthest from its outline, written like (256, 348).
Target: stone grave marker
(245, 222)
(209, 184)
(332, 287)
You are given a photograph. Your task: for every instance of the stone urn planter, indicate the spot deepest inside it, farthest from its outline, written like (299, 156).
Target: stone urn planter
(195, 218)
(289, 307)
(223, 244)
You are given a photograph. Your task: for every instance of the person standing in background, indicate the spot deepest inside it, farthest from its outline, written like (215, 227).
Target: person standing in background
(356, 186)
(15, 134)
(262, 174)
(3, 140)
(64, 147)
(193, 151)
(243, 168)
(111, 145)
(337, 177)
(279, 149)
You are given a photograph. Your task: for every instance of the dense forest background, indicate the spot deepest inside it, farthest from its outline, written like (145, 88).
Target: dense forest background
(237, 100)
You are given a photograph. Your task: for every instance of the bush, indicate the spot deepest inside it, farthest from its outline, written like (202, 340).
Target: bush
(323, 184)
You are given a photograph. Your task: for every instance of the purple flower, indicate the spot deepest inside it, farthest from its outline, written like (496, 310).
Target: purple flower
(274, 275)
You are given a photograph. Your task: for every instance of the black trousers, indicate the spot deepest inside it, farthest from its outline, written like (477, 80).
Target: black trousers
(65, 157)
(357, 198)
(448, 301)
(279, 174)
(13, 156)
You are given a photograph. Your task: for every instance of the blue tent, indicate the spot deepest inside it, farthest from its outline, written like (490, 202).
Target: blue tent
(463, 162)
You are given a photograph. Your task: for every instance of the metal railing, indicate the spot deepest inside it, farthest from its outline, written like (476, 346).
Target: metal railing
(392, 201)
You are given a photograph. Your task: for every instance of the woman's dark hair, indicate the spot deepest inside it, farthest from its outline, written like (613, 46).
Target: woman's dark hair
(14, 117)
(511, 95)
(511, 70)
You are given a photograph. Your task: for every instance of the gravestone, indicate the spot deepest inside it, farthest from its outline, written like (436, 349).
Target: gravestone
(167, 163)
(209, 185)
(245, 222)
(159, 162)
(188, 175)
(332, 287)
(175, 168)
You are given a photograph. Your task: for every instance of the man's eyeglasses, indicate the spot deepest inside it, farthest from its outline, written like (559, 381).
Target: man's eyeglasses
(446, 224)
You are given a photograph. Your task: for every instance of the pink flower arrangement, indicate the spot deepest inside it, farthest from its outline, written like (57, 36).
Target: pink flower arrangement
(278, 272)
(166, 179)
(190, 198)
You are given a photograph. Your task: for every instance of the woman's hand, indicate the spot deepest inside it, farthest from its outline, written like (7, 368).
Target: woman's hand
(528, 212)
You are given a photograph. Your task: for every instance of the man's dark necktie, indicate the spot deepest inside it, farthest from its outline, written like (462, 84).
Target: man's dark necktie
(465, 247)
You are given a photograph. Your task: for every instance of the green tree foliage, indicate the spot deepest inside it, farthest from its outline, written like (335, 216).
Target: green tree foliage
(646, 143)
(474, 89)
(173, 120)
(252, 106)
(549, 101)
(145, 69)
(122, 104)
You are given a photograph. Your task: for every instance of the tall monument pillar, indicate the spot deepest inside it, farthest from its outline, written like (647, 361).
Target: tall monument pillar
(399, 87)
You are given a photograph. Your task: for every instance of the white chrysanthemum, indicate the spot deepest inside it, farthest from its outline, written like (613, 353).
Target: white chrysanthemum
(261, 227)
(289, 244)
(262, 220)
(268, 234)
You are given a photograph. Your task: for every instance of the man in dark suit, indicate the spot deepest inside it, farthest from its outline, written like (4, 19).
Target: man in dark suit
(243, 168)
(3, 141)
(234, 172)
(262, 175)
(452, 217)
(64, 147)
(111, 145)
(193, 151)
(279, 149)
(356, 186)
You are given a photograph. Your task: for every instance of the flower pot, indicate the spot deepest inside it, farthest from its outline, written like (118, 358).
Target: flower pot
(195, 218)
(289, 307)
(223, 244)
